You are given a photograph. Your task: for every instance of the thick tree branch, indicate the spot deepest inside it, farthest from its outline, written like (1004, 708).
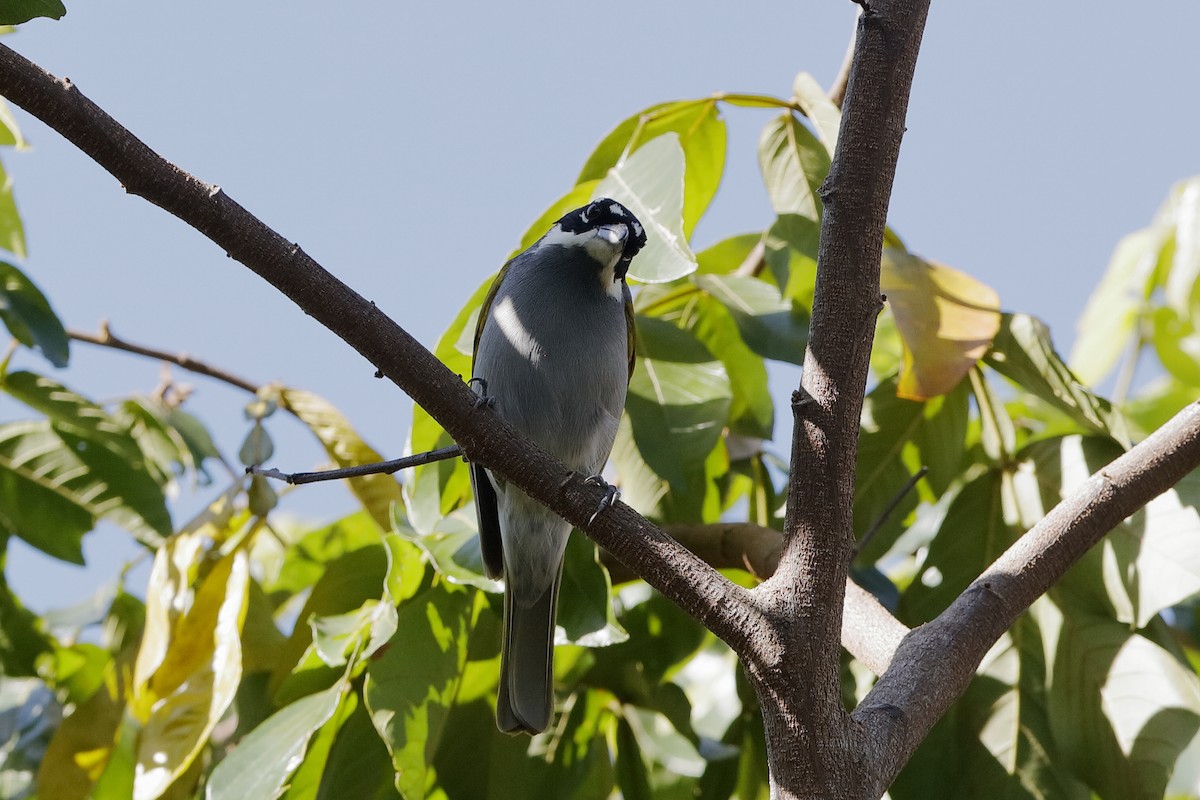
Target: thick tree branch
(935, 662)
(723, 607)
(813, 749)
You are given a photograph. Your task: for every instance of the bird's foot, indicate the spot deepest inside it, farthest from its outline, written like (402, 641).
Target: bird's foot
(484, 399)
(611, 493)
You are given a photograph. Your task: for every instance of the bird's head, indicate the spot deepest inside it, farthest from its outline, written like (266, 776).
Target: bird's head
(605, 229)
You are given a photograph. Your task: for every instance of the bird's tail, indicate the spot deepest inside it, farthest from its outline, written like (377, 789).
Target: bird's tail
(525, 703)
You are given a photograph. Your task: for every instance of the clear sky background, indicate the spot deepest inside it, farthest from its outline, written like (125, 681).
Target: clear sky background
(406, 146)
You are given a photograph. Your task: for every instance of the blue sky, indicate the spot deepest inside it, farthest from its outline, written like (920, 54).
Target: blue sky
(407, 146)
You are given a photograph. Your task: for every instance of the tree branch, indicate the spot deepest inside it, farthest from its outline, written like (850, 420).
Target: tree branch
(723, 607)
(813, 749)
(106, 338)
(914, 693)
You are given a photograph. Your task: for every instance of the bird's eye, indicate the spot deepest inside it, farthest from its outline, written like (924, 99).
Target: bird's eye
(594, 212)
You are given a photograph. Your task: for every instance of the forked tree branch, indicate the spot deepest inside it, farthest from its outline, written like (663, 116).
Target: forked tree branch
(720, 605)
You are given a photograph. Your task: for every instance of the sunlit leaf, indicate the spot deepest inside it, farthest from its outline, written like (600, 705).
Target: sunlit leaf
(409, 689)
(27, 314)
(261, 763)
(82, 746)
(1024, 353)
(678, 399)
(752, 410)
(650, 184)
(770, 325)
(1149, 562)
(825, 116)
(946, 318)
(453, 548)
(1109, 320)
(790, 250)
(1121, 707)
(794, 164)
(12, 231)
(196, 681)
(701, 133)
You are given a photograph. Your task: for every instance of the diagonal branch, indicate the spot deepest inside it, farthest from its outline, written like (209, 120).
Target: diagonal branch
(917, 689)
(720, 605)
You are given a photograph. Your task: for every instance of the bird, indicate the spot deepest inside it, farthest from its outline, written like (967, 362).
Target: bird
(554, 354)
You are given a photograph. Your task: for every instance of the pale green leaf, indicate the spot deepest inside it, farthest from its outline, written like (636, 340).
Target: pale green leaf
(794, 164)
(770, 325)
(12, 230)
(678, 400)
(453, 547)
(701, 133)
(649, 182)
(1110, 318)
(825, 116)
(585, 609)
(260, 764)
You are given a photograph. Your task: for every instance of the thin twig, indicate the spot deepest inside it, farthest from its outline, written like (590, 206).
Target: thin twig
(869, 534)
(106, 338)
(359, 470)
(837, 89)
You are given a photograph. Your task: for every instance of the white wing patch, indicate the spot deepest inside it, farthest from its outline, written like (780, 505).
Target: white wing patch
(516, 333)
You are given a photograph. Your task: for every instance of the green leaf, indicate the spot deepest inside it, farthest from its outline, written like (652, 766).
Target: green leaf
(678, 400)
(357, 765)
(452, 546)
(585, 606)
(751, 411)
(790, 249)
(14, 12)
(729, 254)
(53, 486)
(12, 231)
(409, 689)
(632, 777)
(27, 314)
(260, 764)
(377, 493)
(897, 437)
(650, 184)
(946, 319)
(355, 578)
(1150, 561)
(825, 116)
(434, 490)
(10, 133)
(23, 637)
(1177, 344)
(771, 326)
(701, 133)
(1121, 707)
(794, 165)
(1023, 353)
(971, 536)
(1110, 318)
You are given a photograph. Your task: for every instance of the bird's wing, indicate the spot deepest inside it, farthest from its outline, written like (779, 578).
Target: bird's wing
(490, 546)
(631, 328)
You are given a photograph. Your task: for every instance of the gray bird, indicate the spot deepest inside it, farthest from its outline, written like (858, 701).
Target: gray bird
(553, 355)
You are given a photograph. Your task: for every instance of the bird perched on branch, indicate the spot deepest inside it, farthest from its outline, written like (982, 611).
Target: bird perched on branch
(553, 355)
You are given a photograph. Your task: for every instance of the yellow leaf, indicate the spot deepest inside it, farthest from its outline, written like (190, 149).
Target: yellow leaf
(197, 680)
(946, 319)
(80, 748)
(347, 449)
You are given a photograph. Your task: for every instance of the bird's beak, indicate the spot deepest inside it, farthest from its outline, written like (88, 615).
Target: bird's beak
(613, 234)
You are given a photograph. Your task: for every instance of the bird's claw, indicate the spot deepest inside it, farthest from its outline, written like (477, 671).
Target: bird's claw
(611, 493)
(483, 399)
